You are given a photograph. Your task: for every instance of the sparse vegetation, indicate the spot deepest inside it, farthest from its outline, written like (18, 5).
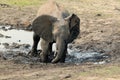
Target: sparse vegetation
(100, 31)
(22, 3)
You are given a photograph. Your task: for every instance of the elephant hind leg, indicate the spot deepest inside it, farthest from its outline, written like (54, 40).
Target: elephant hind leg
(36, 39)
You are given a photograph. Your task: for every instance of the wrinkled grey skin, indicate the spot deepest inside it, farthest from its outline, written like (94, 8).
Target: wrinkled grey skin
(59, 27)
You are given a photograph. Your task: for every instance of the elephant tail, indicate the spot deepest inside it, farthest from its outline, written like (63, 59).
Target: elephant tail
(29, 27)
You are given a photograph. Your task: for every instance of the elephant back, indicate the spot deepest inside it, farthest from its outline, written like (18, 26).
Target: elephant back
(53, 9)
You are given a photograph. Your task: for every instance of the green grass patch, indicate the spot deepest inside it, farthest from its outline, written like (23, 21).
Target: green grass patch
(22, 2)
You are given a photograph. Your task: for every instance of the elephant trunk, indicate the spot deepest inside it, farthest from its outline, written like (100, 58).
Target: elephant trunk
(61, 52)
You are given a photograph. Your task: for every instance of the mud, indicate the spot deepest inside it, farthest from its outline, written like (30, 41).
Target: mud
(99, 31)
(16, 44)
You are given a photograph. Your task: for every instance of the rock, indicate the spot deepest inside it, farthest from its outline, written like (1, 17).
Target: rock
(15, 45)
(7, 36)
(6, 45)
(4, 29)
(4, 5)
(19, 40)
(1, 35)
(98, 15)
(67, 76)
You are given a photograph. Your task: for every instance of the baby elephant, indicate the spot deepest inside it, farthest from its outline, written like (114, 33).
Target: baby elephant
(52, 30)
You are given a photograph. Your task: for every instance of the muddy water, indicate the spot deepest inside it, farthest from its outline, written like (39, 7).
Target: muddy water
(15, 36)
(15, 45)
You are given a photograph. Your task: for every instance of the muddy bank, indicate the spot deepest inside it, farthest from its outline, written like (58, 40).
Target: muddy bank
(20, 54)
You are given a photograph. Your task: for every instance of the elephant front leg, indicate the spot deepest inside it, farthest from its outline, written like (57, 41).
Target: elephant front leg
(36, 39)
(50, 52)
(61, 51)
(45, 50)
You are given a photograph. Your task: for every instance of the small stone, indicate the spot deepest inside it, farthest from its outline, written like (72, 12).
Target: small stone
(1, 35)
(101, 31)
(7, 36)
(98, 15)
(6, 45)
(4, 29)
(67, 76)
(19, 40)
(26, 45)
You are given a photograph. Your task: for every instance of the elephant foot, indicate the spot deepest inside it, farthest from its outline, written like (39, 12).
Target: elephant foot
(43, 57)
(58, 61)
(34, 53)
(55, 61)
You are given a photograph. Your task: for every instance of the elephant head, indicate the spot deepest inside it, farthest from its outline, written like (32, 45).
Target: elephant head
(73, 24)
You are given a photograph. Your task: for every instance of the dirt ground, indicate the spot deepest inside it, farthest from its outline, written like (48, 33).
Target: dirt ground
(100, 32)
(12, 71)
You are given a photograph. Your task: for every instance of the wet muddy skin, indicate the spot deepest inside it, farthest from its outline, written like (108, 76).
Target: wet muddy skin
(16, 44)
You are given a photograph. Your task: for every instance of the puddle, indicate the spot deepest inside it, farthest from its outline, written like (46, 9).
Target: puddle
(16, 36)
(75, 56)
(15, 45)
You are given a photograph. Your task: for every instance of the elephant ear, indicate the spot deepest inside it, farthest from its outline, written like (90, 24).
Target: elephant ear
(74, 26)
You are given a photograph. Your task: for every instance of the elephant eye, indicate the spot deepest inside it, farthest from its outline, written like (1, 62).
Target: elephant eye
(76, 21)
